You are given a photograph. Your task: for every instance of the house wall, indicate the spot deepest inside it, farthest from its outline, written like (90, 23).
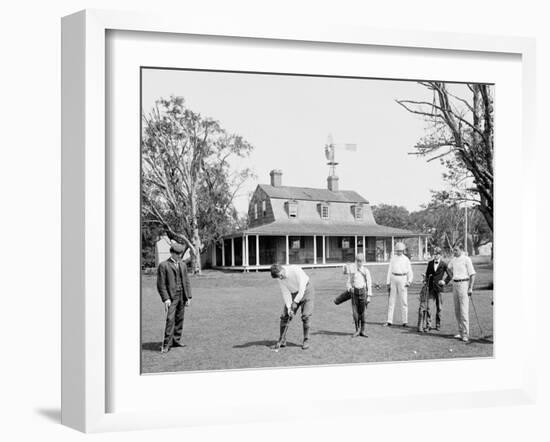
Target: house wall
(257, 198)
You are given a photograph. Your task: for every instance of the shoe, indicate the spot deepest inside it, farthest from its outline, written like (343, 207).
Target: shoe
(164, 349)
(282, 344)
(438, 328)
(465, 339)
(363, 334)
(405, 325)
(178, 344)
(458, 336)
(355, 334)
(387, 324)
(420, 330)
(305, 345)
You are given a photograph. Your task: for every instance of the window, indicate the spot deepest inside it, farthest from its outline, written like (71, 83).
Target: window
(255, 211)
(324, 210)
(264, 208)
(357, 211)
(292, 209)
(295, 244)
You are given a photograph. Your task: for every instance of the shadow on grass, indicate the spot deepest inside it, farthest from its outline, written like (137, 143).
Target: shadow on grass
(264, 343)
(151, 346)
(331, 333)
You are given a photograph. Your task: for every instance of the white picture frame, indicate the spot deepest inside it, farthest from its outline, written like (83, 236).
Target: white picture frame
(85, 310)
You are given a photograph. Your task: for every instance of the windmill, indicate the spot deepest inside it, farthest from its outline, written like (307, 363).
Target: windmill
(330, 147)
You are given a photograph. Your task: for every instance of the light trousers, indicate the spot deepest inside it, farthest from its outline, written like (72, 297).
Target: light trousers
(460, 295)
(398, 291)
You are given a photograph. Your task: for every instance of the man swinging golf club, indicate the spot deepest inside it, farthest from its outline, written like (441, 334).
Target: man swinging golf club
(298, 292)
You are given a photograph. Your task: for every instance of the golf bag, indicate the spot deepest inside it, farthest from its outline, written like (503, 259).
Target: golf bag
(424, 308)
(342, 297)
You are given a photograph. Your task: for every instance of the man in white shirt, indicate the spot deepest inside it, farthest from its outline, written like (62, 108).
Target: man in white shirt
(463, 276)
(298, 292)
(400, 276)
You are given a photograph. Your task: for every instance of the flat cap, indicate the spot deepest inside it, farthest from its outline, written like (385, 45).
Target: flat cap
(176, 248)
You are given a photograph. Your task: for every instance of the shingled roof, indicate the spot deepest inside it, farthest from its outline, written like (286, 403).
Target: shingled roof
(310, 194)
(341, 229)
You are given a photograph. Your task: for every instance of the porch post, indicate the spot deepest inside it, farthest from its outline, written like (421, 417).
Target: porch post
(286, 250)
(365, 248)
(385, 249)
(232, 252)
(223, 252)
(426, 244)
(419, 248)
(314, 249)
(355, 246)
(324, 251)
(214, 255)
(392, 245)
(245, 250)
(257, 250)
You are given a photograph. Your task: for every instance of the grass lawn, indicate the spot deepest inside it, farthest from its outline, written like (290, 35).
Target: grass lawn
(234, 317)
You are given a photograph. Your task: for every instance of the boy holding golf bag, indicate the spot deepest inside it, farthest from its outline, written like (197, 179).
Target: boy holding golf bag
(297, 292)
(359, 290)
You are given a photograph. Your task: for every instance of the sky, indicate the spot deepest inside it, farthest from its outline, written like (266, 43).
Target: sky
(288, 119)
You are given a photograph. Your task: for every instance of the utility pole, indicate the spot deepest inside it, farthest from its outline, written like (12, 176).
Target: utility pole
(466, 229)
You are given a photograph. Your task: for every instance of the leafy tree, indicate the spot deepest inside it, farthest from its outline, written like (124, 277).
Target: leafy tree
(461, 132)
(391, 215)
(188, 179)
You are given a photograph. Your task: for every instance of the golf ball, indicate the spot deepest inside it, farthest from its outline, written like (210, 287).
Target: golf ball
(451, 350)
(414, 352)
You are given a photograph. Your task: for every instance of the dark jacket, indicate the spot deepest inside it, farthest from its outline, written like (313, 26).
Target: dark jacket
(434, 276)
(166, 280)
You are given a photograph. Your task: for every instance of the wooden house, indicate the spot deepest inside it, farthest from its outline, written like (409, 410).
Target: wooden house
(311, 227)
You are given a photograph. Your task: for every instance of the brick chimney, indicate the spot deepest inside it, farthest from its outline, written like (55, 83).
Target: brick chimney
(332, 183)
(276, 177)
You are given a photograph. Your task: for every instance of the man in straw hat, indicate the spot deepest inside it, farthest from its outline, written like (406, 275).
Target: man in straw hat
(400, 276)
(175, 291)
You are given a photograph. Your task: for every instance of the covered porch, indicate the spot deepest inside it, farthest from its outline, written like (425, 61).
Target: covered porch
(255, 251)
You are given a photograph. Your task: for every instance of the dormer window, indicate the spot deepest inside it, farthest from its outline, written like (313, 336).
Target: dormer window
(357, 210)
(324, 210)
(255, 211)
(292, 207)
(264, 208)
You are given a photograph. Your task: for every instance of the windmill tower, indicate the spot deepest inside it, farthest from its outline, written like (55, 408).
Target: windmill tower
(330, 147)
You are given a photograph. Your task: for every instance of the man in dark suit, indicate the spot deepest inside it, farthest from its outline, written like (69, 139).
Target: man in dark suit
(436, 273)
(175, 291)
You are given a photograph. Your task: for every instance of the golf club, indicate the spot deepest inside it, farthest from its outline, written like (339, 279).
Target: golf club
(477, 318)
(164, 328)
(277, 346)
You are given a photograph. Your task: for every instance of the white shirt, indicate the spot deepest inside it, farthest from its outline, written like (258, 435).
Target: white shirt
(358, 277)
(461, 267)
(295, 282)
(436, 265)
(400, 264)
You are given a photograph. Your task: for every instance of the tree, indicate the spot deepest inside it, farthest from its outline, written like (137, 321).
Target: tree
(462, 133)
(392, 216)
(188, 182)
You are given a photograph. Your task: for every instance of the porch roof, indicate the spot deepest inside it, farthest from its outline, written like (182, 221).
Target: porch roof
(342, 229)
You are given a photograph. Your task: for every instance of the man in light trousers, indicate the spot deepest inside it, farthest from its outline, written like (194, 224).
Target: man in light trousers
(463, 277)
(400, 276)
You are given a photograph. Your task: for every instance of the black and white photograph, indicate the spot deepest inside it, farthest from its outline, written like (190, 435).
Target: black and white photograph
(307, 220)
